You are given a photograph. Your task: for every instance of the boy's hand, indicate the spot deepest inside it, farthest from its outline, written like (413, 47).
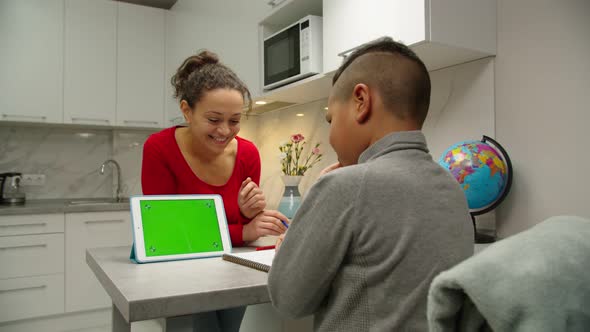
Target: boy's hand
(280, 240)
(251, 199)
(330, 168)
(268, 222)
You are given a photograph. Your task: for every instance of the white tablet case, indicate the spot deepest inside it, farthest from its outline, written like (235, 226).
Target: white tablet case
(137, 220)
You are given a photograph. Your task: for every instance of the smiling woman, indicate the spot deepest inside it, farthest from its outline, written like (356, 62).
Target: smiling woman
(207, 157)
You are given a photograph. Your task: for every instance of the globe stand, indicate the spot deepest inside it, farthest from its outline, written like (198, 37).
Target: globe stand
(485, 238)
(481, 237)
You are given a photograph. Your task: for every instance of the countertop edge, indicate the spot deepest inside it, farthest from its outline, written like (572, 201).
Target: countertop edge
(50, 206)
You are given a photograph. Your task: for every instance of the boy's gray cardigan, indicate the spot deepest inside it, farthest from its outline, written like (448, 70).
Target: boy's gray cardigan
(368, 239)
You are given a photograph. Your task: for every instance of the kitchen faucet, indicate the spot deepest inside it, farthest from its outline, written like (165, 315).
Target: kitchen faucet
(114, 162)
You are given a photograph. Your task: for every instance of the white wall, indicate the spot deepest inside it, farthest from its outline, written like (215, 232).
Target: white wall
(542, 108)
(461, 105)
(462, 108)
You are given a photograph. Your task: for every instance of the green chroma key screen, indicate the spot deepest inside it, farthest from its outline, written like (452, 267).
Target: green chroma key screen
(172, 227)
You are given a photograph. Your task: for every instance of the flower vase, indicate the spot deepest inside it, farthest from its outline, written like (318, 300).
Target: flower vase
(291, 199)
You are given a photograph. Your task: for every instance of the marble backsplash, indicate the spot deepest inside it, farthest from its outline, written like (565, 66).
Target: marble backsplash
(70, 159)
(276, 127)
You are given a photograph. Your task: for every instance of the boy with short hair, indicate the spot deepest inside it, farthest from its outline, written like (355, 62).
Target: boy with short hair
(374, 230)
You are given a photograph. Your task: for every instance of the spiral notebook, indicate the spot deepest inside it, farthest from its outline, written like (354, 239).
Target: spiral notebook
(259, 260)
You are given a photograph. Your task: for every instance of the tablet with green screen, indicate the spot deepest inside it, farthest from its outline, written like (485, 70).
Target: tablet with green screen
(172, 227)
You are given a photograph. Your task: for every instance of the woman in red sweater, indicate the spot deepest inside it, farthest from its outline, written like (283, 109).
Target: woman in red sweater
(207, 157)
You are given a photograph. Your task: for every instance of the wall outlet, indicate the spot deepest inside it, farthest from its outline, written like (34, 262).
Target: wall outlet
(33, 180)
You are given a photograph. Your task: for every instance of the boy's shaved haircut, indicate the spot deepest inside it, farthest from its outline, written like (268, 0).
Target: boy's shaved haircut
(394, 71)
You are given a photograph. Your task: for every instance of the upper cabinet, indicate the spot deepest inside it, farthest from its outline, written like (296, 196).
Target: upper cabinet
(90, 62)
(140, 66)
(227, 28)
(82, 62)
(178, 30)
(31, 60)
(442, 32)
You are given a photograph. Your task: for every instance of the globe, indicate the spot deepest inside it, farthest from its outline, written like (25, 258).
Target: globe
(483, 173)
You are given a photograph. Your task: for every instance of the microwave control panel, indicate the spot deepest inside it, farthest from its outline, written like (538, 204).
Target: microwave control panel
(304, 41)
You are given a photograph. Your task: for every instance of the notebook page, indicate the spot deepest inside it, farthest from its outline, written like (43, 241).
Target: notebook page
(263, 256)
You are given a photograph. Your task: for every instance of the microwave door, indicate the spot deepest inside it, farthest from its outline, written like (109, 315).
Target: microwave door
(281, 56)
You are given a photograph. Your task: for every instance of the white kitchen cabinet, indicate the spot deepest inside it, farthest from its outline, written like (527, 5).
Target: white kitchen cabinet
(177, 32)
(90, 62)
(31, 60)
(32, 261)
(31, 224)
(31, 255)
(235, 42)
(441, 32)
(91, 230)
(140, 66)
(31, 297)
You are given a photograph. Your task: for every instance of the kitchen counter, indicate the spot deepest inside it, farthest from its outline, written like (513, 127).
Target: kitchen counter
(44, 206)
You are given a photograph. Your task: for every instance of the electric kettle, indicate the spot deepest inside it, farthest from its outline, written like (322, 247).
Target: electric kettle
(10, 189)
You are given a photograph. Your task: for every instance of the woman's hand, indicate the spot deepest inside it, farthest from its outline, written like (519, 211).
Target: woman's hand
(330, 168)
(267, 222)
(251, 199)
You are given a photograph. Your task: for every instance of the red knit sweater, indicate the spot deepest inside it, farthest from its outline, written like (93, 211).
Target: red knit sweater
(165, 171)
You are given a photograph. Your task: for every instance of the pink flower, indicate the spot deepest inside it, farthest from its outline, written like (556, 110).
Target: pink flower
(293, 160)
(297, 138)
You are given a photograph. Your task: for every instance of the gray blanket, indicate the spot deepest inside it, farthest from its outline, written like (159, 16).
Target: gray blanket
(537, 280)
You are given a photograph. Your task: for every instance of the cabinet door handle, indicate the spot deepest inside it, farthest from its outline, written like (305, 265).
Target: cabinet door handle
(22, 288)
(140, 122)
(40, 224)
(346, 53)
(23, 117)
(77, 119)
(93, 222)
(25, 246)
(275, 3)
(175, 119)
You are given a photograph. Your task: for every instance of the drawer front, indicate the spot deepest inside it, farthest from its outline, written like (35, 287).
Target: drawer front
(91, 230)
(31, 255)
(31, 297)
(31, 224)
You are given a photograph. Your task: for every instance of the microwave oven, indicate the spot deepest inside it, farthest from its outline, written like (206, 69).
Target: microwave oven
(293, 53)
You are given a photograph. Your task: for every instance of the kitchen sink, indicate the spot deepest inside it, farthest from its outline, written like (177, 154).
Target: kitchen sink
(97, 201)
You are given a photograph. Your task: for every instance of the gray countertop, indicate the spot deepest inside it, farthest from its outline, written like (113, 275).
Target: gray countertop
(176, 288)
(43, 206)
(167, 289)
